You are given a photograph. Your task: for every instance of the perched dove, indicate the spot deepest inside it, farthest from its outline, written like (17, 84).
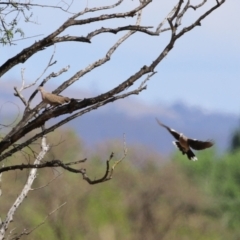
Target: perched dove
(53, 99)
(184, 143)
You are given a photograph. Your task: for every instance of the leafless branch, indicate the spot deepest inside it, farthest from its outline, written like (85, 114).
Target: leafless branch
(104, 30)
(49, 40)
(53, 163)
(198, 21)
(109, 171)
(121, 159)
(50, 63)
(199, 5)
(27, 187)
(24, 86)
(181, 14)
(87, 10)
(97, 63)
(19, 94)
(158, 30)
(57, 163)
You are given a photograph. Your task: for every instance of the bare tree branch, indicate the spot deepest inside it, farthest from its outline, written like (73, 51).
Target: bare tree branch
(53, 163)
(198, 21)
(27, 187)
(104, 30)
(87, 10)
(57, 163)
(49, 40)
(199, 5)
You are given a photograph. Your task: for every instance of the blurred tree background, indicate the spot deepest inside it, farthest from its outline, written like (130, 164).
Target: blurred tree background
(150, 198)
(235, 141)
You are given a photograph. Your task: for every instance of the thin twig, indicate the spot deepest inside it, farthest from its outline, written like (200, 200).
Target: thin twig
(25, 232)
(33, 189)
(121, 159)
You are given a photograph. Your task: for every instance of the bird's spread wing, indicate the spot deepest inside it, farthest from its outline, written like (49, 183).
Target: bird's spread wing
(199, 145)
(172, 131)
(178, 145)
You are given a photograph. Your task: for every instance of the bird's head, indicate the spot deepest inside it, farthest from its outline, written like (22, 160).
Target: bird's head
(181, 135)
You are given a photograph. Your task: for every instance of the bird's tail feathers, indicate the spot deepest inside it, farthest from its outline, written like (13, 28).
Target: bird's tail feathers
(191, 155)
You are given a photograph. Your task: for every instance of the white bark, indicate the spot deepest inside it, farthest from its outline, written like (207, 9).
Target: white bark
(27, 187)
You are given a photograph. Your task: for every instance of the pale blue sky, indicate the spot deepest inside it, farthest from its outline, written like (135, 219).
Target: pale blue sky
(202, 70)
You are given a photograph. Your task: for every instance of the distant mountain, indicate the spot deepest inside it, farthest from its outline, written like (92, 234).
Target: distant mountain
(137, 121)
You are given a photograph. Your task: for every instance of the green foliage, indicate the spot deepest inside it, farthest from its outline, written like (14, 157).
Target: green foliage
(8, 32)
(220, 179)
(9, 24)
(235, 141)
(146, 199)
(198, 170)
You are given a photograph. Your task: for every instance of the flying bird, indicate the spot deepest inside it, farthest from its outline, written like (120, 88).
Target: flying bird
(53, 99)
(185, 144)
